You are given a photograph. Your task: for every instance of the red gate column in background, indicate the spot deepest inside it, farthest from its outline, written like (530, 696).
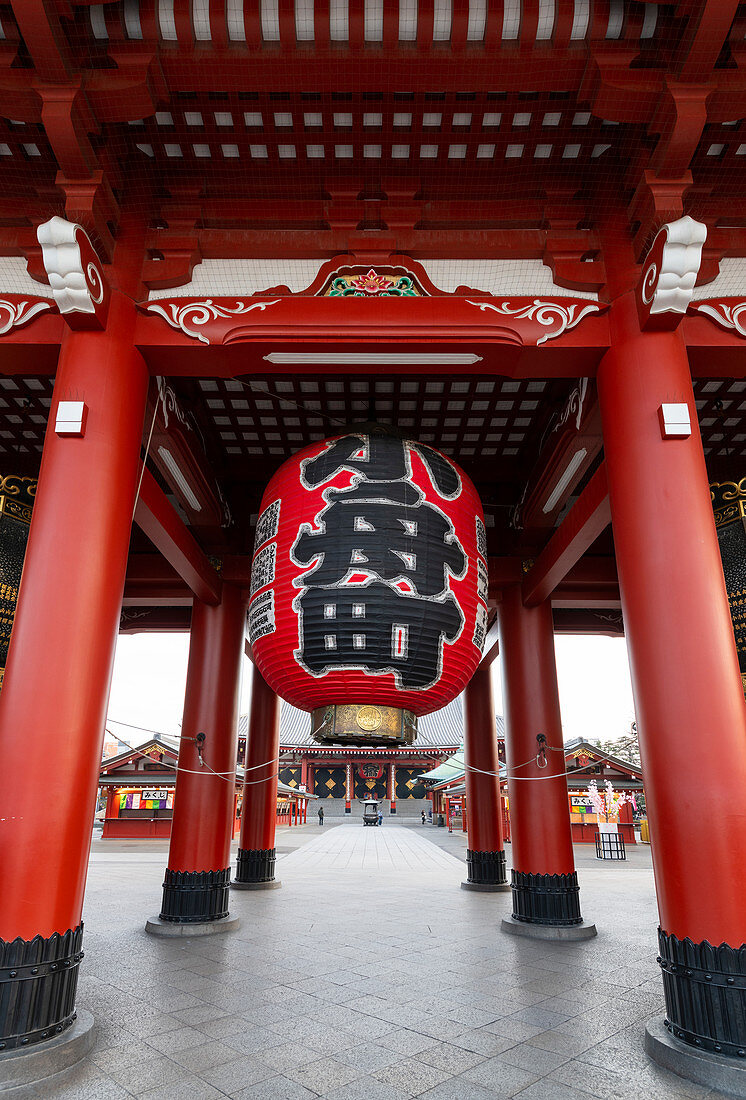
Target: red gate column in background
(348, 788)
(685, 677)
(392, 787)
(197, 881)
(546, 897)
(485, 857)
(56, 689)
(255, 868)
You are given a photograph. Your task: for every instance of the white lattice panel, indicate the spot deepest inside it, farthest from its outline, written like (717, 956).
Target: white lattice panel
(504, 277)
(15, 279)
(730, 282)
(218, 278)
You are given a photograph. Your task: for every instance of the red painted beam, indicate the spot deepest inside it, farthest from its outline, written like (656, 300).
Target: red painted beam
(704, 38)
(491, 649)
(156, 517)
(587, 518)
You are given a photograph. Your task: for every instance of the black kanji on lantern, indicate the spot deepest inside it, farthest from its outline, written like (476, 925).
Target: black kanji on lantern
(377, 628)
(386, 529)
(379, 458)
(377, 594)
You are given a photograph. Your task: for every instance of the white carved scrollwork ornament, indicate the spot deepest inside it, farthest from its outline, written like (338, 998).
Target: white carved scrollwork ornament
(726, 314)
(75, 273)
(188, 316)
(670, 273)
(553, 315)
(14, 314)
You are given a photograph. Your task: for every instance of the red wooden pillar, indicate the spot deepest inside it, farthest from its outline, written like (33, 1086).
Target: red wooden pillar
(687, 687)
(197, 881)
(55, 694)
(485, 857)
(255, 868)
(543, 879)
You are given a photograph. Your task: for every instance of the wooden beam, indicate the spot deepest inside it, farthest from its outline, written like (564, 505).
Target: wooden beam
(592, 583)
(491, 646)
(157, 518)
(585, 521)
(502, 572)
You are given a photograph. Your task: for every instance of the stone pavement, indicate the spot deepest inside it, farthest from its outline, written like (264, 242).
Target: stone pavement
(369, 976)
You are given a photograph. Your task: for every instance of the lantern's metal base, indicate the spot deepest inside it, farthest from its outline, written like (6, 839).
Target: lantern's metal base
(362, 724)
(716, 1071)
(40, 1064)
(165, 928)
(548, 931)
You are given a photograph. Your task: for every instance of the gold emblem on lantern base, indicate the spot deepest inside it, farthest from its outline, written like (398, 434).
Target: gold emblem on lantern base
(362, 724)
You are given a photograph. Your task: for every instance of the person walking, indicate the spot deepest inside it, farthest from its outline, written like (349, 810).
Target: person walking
(423, 817)
(321, 815)
(380, 817)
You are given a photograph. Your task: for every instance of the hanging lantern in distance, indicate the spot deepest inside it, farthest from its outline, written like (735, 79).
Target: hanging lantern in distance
(369, 585)
(16, 501)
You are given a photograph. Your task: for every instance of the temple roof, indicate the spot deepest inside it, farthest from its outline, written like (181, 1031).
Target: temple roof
(442, 730)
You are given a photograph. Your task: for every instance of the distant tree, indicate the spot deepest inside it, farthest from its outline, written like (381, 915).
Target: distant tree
(626, 747)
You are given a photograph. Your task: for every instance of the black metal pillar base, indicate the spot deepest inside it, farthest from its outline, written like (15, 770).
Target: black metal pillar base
(717, 1071)
(38, 981)
(255, 866)
(45, 1063)
(195, 897)
(546, 899)
(705, 991)
(485, 872)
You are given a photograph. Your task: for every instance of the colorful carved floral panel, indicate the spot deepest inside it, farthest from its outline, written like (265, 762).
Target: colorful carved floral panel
(372, 284)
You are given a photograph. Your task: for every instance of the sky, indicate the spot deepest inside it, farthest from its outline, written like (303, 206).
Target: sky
(150, 673)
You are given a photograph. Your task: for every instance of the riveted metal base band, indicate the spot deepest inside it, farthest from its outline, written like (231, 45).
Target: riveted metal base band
(38, 980)
(486, 868)
(546, 899)
(195, 897)
(705, 990)
(255, 865)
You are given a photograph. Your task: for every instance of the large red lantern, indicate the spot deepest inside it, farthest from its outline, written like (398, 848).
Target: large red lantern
(369, 585)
